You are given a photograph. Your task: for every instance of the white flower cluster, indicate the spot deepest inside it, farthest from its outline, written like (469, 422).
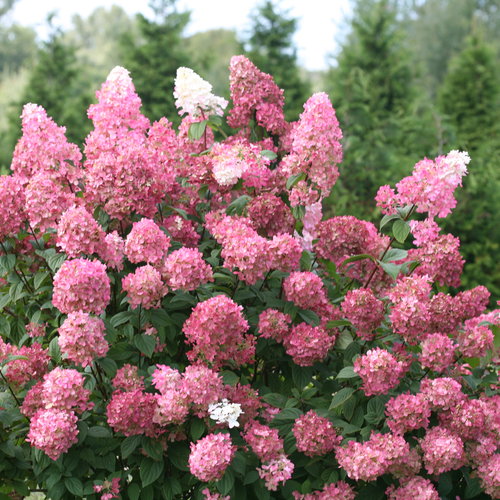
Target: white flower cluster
(455, 165)
(225, 412)
(194, 95)
(227, 171)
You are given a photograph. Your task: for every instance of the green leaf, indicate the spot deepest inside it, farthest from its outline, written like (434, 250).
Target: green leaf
(287, 414)
(150, 471)
(12, 357)
(388, 218)
(39, 278)
(237, 206)
(340, 397)
(395, 254)
(129, 445)
(55, 261)
(215, 120)
(134, 491)
(145, 343)
(294, 179)
(338, 322)
(197, 129)
(153, 448)
(355, 258)
(121, 318)
(54, 351)
(271, 155)
(375, 410)
(400, 230)
(7, 263)
(473, 488)
(178, 454)
(391, 269)
(275, 399)
(230, 378)
(346, 373)
(309, 317)
(98, 431)
(344, 340)
(225, 484)
(160, 317)
(74, 486)
(301, 376)
(197, 429)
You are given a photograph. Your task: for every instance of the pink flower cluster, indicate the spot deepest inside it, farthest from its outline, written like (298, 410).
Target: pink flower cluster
(185, 269)
(215, 329)
(430, 187)
(379, 370)
(264, 441)
(364, 310)
(415, 487)
(274, 324)
(438, 352)
(333, 491)
(315, 435)
(21, 371)
(407, 412)
(442, 450)
(146, 242)
(210, 457)
(144, 287)
(109, 489)
(81, 338)
(371, 459)
(254, 94)
(81, 285)
(12, 203)
(278, 470)
(315, 144)
(270, 215)
(305, 290)
(79, 233)
(308, 344)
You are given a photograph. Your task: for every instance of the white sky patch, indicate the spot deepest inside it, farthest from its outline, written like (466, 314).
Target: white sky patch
(316, 39)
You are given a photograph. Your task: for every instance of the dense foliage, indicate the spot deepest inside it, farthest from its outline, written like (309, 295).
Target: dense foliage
(178, 320)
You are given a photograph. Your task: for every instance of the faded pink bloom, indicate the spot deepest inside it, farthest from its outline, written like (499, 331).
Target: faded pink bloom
(315, 435)
(264, 441)
(144, 288)
(278, 470)
(210, 457)
(146, 242)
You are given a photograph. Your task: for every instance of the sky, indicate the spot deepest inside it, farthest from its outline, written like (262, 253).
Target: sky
(318, 33)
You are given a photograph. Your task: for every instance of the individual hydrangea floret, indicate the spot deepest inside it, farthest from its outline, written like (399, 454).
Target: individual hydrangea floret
(193, 95)
(81, 285)
(210, 457)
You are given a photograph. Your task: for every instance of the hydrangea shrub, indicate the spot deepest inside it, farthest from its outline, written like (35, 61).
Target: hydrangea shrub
(180, 321)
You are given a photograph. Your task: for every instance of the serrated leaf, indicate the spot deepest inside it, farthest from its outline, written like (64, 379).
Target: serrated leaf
(39, 278)
(74, 486)
(346, 373)
(121, 318)
(56, 261)
(197, 429)
(400, 230)
(225, 485)
(287, 414)
(197, 129)
(309, 317)
(129, 445)
(145, 343)
(275, 399)
(150, 471)
(340, 397)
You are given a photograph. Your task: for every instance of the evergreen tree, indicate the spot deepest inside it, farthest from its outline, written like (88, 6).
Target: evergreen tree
(153, 59)
(469, 98)
(270, 47)
(372, 90)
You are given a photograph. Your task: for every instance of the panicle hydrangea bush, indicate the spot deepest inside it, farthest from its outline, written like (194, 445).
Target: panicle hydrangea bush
(179, 320)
